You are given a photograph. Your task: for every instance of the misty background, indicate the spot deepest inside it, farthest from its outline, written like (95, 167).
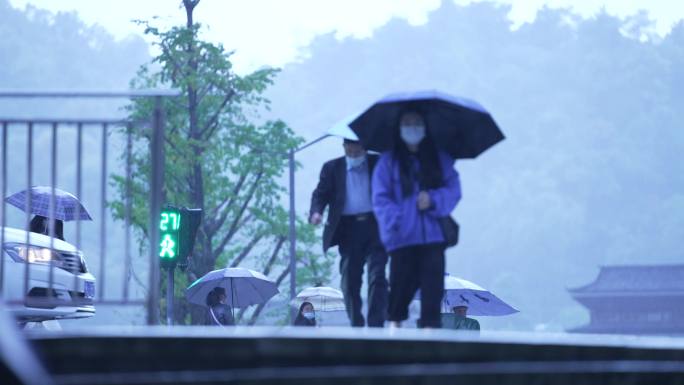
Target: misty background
(589, 174)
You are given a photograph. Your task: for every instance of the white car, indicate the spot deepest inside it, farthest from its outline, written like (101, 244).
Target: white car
(73, 286)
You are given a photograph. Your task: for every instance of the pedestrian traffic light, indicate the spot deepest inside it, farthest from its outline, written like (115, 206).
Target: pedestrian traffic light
(169, 231)
(177, 230)
(188, 231)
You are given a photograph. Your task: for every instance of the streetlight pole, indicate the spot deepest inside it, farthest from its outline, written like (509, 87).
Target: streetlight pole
(293, 228)
(293, 233)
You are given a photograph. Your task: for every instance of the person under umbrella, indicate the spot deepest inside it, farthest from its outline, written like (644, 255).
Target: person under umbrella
(66, 208)
(219, 313)
(344, 188)
(461, 127)
(325, 299)
(459, 320)
(463, 297)
(241, 287)
(306, 315)
(414, 185)
(480, 301)
(41, 225)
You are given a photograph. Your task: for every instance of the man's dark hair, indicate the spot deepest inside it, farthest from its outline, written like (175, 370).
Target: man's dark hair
(212, 299)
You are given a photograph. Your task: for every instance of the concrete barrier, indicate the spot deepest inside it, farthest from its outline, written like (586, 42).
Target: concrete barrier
(201, 355)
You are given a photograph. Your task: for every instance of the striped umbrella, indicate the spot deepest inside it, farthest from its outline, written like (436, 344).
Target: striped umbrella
(66, 204)
(322, 298)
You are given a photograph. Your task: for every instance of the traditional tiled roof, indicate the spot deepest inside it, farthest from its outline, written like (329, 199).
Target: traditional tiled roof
(636, 278)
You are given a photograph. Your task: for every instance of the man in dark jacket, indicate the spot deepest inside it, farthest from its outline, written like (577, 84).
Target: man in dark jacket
(345, 188)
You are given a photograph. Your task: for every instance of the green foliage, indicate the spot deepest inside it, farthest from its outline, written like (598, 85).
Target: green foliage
(316, 268)
(219, 156)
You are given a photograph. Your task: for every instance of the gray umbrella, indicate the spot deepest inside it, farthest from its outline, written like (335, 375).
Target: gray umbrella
(66, 204)
(244, 287)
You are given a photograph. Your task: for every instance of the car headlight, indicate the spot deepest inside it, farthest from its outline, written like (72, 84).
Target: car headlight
(31, 254)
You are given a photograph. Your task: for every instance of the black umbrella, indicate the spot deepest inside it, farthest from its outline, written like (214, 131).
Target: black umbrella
(459, 126)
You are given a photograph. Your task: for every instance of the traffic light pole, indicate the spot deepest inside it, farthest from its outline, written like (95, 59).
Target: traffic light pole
(156, 187)
(169, 295)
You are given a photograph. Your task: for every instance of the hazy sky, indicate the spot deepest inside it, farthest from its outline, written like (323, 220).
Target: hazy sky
(272, 32)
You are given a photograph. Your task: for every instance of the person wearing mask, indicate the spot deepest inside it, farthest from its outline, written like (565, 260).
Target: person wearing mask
(345, 188)
(306, 315)
(414, 185)
(219, 313)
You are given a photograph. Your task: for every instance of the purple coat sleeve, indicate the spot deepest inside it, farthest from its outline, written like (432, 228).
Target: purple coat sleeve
(385, 206)
(444, 199)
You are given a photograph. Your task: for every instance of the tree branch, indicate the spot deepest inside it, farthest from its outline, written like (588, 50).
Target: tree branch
(274, 255)
(234, 226)
(260, 307)
(224, 241)
(248, 248)
(214, 118)
(170, 143)
(267, 270)
(176, 66)
(215, 224)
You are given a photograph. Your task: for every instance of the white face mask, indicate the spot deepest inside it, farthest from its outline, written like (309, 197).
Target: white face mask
(412, 135)
(308, 315)
(355, 162)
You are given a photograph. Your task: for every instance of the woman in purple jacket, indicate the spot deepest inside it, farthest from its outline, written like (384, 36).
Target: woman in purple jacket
(413, 185)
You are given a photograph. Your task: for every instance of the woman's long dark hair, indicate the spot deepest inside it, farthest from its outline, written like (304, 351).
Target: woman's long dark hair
(430, 174)
(213, 298)
(300, 320)
(41, 225)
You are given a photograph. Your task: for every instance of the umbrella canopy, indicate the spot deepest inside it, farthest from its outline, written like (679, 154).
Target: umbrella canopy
(341, 129)
(459, 126)
(244, 287)
(480, 301)
(66, 204)
(322, 298)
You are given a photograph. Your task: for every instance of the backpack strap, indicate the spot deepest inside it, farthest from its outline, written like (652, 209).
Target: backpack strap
(211, 310)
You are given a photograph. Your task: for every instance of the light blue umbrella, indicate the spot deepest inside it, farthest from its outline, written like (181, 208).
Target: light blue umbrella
(66, 204)
(480, 301)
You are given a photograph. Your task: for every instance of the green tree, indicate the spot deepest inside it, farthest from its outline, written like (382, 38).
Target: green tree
(216, 157)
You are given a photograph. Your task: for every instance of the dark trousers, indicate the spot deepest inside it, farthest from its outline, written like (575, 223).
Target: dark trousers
(360, 244)
(412, 268)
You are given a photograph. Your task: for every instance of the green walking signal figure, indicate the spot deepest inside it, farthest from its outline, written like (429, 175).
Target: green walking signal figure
(167, 247)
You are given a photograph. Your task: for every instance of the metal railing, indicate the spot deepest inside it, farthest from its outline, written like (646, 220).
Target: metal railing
(79, 294)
